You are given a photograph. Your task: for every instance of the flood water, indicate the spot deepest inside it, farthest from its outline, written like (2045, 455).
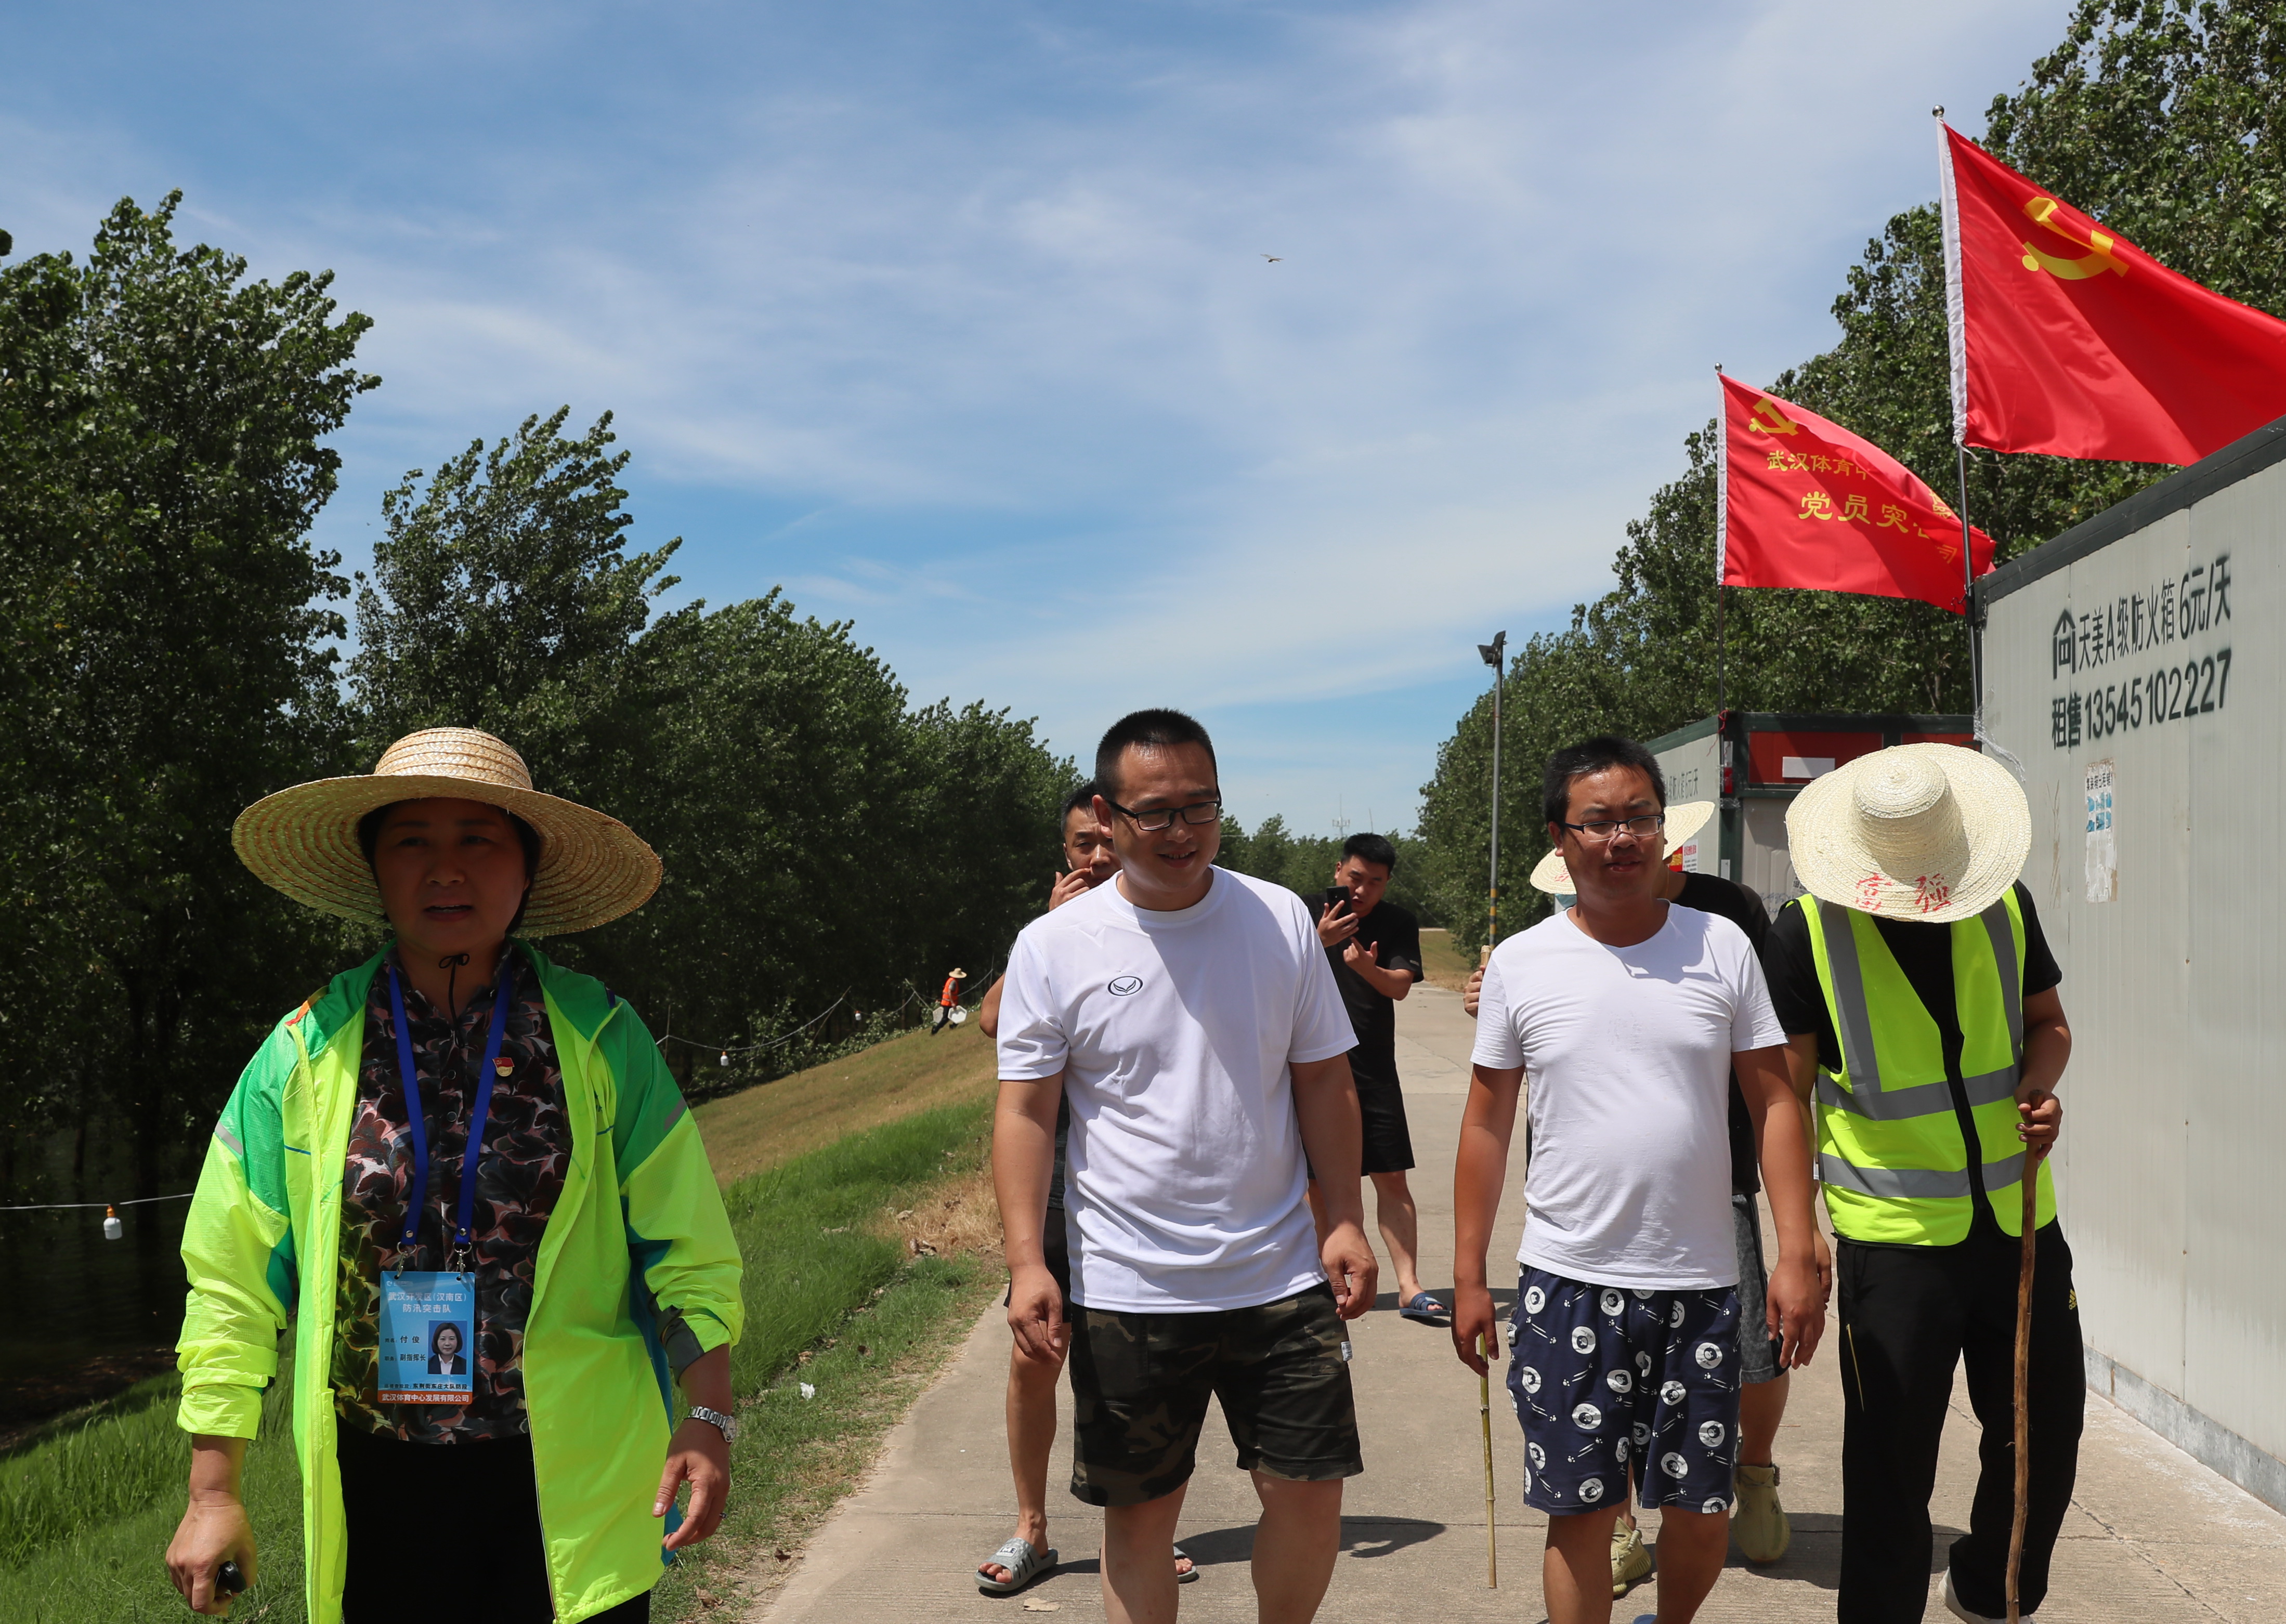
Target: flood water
(86, 1316)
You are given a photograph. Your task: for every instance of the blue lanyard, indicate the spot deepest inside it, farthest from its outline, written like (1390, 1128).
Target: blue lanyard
(474, 1152)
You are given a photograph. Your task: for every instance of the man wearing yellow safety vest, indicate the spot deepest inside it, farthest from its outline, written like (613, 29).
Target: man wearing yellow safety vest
(1919, 1001)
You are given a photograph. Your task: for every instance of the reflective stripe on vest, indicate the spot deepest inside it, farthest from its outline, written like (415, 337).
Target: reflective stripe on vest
(1915, 1182)
(1893, 1159)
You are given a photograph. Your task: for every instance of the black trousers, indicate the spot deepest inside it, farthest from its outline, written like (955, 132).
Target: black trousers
(1908, 1316)
(448, 1532)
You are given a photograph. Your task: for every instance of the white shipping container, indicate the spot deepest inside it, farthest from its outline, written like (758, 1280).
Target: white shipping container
(2126, 667)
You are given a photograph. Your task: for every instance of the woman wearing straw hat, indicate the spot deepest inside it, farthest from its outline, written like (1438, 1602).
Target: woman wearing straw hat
(1919, 1001)
(458, 1128)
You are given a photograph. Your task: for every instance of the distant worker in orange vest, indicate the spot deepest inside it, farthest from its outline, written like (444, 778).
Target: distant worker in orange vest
(949, 1012)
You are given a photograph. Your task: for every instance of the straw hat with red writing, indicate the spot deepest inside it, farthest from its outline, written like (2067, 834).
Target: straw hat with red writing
(1685, 820)
(1927, 832)
(304, 840)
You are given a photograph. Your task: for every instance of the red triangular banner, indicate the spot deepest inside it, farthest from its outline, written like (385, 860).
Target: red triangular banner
(1807, 503)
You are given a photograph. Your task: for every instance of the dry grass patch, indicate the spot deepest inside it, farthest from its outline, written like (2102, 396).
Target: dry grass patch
(960, 1219)
(1446, 965)
(760, 1127)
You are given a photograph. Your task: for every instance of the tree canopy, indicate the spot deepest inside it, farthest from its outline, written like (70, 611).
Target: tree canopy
(167, 655)
(165, 658)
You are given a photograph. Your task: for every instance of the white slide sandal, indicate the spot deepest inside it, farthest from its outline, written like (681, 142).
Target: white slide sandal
(1024, 1565)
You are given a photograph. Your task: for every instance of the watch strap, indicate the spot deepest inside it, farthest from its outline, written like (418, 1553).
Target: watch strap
(727, 1425)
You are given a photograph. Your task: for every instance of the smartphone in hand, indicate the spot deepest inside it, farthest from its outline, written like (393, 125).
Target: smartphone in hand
(1337, 898)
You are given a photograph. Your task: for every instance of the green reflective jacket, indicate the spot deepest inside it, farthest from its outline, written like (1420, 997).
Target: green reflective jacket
(1890, 1151)
(637, 1271)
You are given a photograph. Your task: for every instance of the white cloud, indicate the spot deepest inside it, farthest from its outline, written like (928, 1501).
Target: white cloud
(924, 276)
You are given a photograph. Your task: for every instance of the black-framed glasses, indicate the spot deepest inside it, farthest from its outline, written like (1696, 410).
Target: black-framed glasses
(1198, 814)
(1604, 830)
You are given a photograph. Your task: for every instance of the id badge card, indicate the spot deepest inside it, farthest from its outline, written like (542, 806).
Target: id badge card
(428, 1336)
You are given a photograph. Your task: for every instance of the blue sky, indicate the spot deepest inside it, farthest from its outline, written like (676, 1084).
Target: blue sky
(955, 321)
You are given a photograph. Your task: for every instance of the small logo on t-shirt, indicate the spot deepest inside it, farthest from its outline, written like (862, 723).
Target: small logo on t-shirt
(1126, 986)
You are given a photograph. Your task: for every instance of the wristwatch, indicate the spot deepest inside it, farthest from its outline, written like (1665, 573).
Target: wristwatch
(727, 1425)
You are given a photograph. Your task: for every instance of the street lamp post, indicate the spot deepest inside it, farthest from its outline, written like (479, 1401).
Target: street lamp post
(1495, 655)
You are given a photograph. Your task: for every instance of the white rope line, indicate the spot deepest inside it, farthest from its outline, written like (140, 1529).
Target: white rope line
(770, 1043)
(74, 1206)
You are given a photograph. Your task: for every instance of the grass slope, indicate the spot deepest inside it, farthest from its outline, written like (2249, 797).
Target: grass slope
(834, 1296)
(105, 1568)
(1446, 964)
(760, 1127)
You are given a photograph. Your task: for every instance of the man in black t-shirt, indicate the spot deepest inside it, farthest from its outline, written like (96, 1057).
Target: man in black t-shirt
(1375, 947)
(1910, 856)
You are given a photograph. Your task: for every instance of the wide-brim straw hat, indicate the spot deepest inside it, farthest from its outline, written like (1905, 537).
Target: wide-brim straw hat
(304, 840)
(1684, 819)
(1930, 832)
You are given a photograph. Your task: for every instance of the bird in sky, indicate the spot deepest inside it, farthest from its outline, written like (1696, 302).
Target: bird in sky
(1274, 258)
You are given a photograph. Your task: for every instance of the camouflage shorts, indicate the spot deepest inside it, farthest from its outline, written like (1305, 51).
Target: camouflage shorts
(1141, 1384)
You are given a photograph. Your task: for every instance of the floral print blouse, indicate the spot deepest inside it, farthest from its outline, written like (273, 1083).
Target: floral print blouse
(527, 1148)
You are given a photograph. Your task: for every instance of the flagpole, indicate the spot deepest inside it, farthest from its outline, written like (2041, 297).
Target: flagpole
(1956, 344)
(1968, 603)
(1495, 655)
(1955, 320)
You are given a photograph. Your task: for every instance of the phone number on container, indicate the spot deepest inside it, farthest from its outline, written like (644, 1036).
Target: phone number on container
(2168, 694)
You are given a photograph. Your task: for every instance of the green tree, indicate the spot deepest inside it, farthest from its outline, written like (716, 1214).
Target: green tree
(163, 661)
(501, 598)
(987, 837)
(1306, 864)
(819, 837)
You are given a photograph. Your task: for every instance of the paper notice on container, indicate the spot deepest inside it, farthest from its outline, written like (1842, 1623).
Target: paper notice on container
(2102, 855)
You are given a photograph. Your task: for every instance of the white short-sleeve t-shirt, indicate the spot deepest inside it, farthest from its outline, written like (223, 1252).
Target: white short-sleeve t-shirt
(1174, 1032)
(1626, 1063)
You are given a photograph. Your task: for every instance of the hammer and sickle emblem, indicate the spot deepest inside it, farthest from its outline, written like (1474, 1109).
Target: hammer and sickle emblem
(2100, 258)
(1769, 420)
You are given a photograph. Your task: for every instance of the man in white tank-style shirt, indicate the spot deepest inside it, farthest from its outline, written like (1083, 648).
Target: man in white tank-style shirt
(1190, 1017)
(1628, 1015)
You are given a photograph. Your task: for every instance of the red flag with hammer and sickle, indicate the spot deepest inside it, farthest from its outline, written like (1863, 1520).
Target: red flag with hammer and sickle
(1807, 503)
(2068, 339)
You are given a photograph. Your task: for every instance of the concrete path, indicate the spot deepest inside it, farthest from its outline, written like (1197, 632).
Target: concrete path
(2154, 1536)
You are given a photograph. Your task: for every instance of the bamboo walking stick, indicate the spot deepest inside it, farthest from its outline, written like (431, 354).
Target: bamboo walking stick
(1485, 1415)
(2023, 1451)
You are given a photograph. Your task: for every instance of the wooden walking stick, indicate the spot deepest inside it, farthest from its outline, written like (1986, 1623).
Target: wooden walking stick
(2031, 1185)
(1485, 1415)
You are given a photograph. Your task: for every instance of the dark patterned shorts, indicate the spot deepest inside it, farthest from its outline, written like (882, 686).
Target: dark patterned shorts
(1141, 1384)
(1604, 1376)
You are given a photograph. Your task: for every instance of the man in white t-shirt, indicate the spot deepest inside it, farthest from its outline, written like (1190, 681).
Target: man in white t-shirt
(1190, 1017)
(1628, 1015)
